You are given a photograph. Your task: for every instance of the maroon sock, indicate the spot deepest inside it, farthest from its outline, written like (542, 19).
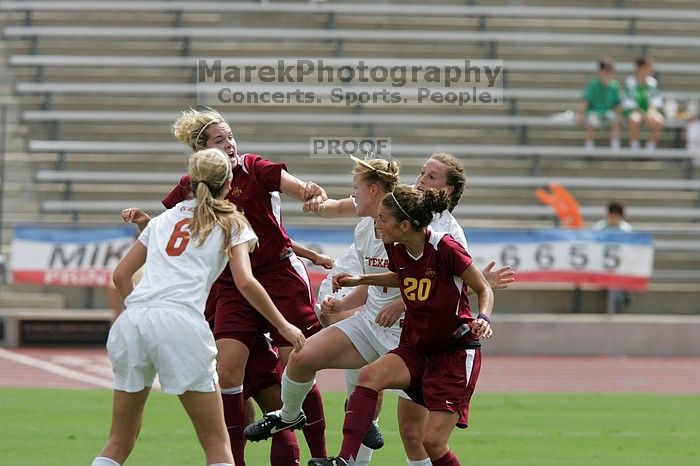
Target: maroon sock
(449, 459)
(234, 415)
(284, 450)
(315, 428)
(358, 416)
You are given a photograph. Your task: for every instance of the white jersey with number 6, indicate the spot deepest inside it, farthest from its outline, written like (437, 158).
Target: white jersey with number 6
(178, 272)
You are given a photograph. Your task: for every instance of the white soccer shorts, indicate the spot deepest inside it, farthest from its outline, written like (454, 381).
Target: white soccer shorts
(176, 344)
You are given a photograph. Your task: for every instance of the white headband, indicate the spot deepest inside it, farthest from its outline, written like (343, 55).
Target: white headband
(415, 222)
(201, 131)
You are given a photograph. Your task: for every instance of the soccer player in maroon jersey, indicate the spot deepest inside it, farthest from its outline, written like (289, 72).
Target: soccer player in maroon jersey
(438, 358)
(440, 171)
(243, 350)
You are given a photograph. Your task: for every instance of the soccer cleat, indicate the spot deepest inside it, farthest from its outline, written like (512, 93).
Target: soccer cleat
(270, 424)
(332, 461)
(373, 438)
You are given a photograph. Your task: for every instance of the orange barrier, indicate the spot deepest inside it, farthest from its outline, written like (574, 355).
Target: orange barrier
(564, 204)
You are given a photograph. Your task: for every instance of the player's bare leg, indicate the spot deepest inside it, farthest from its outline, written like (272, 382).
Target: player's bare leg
(127, 417)
(439, 426)
(207, 415)
(412, 419)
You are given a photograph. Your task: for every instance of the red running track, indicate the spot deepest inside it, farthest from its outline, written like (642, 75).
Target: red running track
(89, 368)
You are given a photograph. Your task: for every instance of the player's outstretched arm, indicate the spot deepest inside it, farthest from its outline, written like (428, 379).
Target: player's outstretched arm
(475, 280)
(252, 290)
(390, 279)
(331, 208)
(301, 190)
(316, 258)
(497, 279)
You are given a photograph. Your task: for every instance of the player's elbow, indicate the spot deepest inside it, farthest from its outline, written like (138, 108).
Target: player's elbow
(121, 277)
(245, 282)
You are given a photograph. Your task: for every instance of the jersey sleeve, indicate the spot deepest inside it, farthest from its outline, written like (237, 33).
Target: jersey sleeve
(457, 233)
(350, 262)
(146, 233)
(245, 234)
(347, 263)
(454, 255)
(179, 193)
(267, 173)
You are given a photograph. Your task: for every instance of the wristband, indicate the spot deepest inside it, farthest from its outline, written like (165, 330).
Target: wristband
(484, 317)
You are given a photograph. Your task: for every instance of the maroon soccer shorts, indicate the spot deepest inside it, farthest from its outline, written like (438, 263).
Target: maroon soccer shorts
(442, 381)
(288, 285)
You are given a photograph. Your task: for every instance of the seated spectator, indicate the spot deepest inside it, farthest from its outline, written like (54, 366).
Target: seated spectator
(614, 219)
(641, 104)
(693, 132)
(615, 299)
(600, 103)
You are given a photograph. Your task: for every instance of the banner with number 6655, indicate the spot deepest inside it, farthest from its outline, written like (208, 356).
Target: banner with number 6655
(609, 259)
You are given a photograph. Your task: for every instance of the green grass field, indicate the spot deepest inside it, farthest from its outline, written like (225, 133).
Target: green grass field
(68, 428)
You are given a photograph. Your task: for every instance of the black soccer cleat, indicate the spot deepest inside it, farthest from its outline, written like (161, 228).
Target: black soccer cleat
(373, 438)
(332, 461)
(270, 424)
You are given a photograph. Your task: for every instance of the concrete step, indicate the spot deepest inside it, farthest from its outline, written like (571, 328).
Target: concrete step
(672, 298)
(11, 296)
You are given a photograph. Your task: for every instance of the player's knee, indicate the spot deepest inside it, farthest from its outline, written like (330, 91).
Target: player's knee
(370, 377)
(302, 361)
(655, 123)
(229, 376)
(435, 445)
(411, 432)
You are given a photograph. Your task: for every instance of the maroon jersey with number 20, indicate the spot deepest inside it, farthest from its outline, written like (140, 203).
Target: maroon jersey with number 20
(435, 296)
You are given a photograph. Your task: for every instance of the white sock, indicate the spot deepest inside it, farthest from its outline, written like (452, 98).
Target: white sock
(104, 461)
(220, 464)
(293, 395)
(424, 462)
(364, 456)
(351, 376)
(615, 144)
(651, 146)
(231, 390)
(589, 144)
(634, 144)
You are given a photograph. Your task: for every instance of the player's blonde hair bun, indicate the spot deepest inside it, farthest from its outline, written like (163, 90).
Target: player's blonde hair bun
(190, 127)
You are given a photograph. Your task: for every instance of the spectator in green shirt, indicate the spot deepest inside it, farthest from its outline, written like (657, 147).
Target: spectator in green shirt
(600, 103)
(642, 103)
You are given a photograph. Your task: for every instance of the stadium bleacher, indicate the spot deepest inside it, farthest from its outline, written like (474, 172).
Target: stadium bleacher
(98, 98)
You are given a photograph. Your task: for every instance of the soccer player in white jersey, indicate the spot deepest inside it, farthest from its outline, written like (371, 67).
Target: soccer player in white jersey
(440, 171)
(357, 340)
(163, 330)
